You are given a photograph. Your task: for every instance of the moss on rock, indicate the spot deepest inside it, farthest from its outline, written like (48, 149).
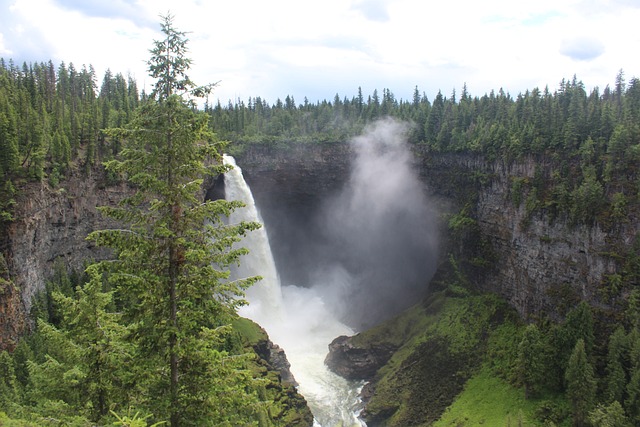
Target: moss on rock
(284, 406)
(440, 344)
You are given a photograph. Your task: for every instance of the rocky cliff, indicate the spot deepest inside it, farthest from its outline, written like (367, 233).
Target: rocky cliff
(50, 224)
(540, 264)
(537, 263)
(289, 184)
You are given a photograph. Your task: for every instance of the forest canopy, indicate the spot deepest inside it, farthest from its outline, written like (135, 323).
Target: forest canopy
(52, 120)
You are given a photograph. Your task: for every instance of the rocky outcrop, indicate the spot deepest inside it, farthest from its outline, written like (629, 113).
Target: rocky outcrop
(275, 356)
(271, 365)
(356, 363)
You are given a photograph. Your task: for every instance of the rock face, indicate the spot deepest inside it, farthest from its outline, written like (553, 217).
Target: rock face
(292, 409)
(354, 363)
(13, 321)
(539, 264)
(275, 356)
(52, 224)
(289, 185)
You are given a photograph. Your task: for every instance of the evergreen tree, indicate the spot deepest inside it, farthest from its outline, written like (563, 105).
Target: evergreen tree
(581, 384)
(56, 374)
(9, 155)
(170, 273)
(97, 333)
(632, 313)
(530, 363)
(8, 382)
(611, 415)
(632, 402)
(616, 379)
(434, 120)
(577, 326)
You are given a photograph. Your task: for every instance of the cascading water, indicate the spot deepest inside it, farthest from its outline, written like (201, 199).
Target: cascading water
(295, 318)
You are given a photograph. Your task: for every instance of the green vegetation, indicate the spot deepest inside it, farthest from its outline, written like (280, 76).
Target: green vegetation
(588, 141)
(440, 345)
(51, 123)
(581, 384)
(147, 338)
(170, 275)
(137, 339)
(466, 359)
(488, 400)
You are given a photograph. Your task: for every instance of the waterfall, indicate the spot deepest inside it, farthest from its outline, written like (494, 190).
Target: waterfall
(266, 296)
(295, 318)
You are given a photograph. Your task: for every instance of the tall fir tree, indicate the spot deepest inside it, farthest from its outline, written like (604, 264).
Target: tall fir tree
(581, 384)
(530, 362)
(632, 401)
(616, 377)
(171, 269)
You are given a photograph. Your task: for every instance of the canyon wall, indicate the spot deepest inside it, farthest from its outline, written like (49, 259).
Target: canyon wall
(289, 185)
(537, 264)
(50, 224)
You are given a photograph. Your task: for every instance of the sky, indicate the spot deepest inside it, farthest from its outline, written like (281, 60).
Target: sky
(319, 48)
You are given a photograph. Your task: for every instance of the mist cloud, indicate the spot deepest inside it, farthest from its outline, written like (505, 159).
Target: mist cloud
(380, 232)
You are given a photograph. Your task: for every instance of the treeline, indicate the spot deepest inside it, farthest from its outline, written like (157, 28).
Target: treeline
(51, 118)
(495, 124)
(590, 141)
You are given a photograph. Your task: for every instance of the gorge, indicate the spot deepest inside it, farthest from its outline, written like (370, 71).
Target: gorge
(539, 266)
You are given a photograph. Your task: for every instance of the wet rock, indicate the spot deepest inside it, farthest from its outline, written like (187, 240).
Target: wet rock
(356, 363)
(278, 360)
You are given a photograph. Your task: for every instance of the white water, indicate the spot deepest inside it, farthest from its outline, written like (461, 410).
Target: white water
(295, 318)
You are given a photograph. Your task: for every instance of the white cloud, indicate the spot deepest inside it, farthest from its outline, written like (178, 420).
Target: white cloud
(116, 9)
(316, 49)
(3, 50)
(582, 48)
(375, 10)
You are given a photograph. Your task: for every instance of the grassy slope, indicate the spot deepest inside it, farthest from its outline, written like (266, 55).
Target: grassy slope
(454, 355)
(488, 400)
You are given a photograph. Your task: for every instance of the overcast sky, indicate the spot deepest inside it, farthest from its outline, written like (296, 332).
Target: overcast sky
(317, 48)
